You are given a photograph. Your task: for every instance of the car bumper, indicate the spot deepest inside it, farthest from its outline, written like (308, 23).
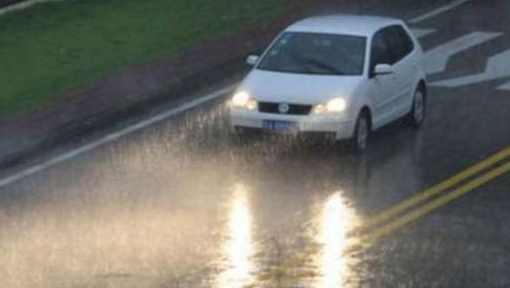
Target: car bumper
(342, 127)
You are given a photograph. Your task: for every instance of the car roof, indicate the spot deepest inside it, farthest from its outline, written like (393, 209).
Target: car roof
(343, 24)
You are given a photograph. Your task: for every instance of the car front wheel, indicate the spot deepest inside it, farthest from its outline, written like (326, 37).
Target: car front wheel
(359, 142)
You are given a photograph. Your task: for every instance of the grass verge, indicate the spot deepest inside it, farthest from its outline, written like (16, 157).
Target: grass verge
(51, 48)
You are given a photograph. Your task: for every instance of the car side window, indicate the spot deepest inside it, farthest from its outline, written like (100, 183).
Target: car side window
(400, 43)
(380, 51)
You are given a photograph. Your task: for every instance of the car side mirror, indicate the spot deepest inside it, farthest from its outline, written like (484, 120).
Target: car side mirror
(252, 60)
(383, 69)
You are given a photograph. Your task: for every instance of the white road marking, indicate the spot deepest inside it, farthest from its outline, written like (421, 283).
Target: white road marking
(438, 11)
(114, 136)
(504, 87)
(498, 67)
(437, 58)
(419, 32)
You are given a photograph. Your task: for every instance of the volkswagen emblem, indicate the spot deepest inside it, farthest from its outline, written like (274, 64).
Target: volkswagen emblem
(283, 108)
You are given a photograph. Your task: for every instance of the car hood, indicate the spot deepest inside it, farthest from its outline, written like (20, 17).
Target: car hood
(298, 88)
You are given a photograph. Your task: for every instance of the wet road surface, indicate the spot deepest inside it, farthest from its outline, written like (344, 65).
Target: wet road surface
(185, 204)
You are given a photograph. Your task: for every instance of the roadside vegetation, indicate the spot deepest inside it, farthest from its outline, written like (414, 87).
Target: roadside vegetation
(50, 48)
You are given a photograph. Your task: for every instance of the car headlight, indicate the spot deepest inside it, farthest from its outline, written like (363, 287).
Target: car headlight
(242, 99)
(336, 105)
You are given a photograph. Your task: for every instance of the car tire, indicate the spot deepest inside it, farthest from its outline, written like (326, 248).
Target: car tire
(358, 144)
(416, 117)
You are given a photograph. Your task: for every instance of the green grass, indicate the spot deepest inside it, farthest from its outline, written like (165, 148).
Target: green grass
(51, 48)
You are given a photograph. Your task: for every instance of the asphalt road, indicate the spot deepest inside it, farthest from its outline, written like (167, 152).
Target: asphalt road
(182, 204)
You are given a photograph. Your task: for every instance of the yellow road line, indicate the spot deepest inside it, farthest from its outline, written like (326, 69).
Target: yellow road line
(433, 205)
(431, 192)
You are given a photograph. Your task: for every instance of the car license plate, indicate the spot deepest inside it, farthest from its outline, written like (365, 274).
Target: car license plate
(283, 127)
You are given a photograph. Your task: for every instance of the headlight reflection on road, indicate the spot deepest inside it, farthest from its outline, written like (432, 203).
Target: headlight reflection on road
(239, 243)
(334, 223)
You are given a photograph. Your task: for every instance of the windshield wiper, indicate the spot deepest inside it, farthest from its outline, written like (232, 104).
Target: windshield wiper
(323, 65)
(300, 61)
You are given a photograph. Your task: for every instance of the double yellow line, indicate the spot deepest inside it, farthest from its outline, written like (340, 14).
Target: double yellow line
(441, 188)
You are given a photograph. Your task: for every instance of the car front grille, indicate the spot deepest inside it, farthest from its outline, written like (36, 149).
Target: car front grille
(294, 109)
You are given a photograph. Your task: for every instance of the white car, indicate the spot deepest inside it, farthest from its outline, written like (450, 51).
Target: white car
(342, 75)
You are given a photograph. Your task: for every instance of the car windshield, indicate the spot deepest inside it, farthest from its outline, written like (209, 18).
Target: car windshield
(315, 53)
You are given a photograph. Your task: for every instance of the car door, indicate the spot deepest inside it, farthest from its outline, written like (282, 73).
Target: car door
(383, 88)
(404, 70)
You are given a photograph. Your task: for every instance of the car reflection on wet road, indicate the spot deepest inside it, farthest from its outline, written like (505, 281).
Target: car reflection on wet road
(336, 221)
(239, 246)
